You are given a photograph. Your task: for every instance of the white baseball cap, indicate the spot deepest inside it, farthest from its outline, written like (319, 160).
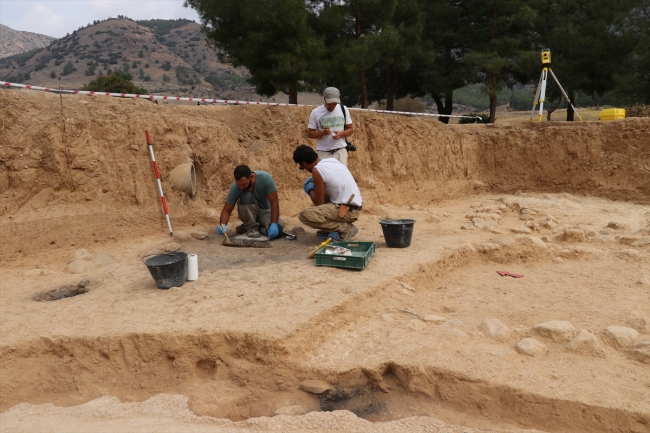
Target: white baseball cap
(332, 94)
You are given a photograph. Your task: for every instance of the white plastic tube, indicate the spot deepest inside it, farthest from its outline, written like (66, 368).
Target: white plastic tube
(192, 267)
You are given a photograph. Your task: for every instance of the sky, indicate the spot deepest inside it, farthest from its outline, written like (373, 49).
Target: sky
(57, 18)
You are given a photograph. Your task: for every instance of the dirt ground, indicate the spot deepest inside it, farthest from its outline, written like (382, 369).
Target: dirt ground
(428, 338)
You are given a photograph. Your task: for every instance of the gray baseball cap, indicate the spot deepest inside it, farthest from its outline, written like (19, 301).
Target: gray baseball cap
(332, 94)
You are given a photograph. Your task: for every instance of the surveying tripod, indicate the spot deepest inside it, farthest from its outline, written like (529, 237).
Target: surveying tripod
(541, 87)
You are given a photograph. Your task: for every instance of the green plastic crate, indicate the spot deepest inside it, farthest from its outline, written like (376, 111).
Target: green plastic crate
(362, 252)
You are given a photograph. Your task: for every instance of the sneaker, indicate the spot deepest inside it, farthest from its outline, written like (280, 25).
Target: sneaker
(350, 232)
(253, 233)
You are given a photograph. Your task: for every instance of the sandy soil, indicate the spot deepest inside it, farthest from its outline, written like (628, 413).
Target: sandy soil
(266, 341)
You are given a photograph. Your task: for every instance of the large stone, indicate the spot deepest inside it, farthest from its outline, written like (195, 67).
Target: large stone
(573, 235)
(435, 319)
(617, 225)
(80, 266)
(212, 214)
(199, 235)
(172, 246)
(181, 236)
(83, 254)
(585, 342)
(621, 336)
(531, 347)
(314, 386)
(638, 322)
(294, 410)
(493, 328)
(556, 330)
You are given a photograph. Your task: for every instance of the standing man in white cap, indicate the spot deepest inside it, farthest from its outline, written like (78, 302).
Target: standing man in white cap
(330, 124)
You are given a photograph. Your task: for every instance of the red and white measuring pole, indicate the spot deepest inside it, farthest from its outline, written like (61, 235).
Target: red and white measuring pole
(162, 195)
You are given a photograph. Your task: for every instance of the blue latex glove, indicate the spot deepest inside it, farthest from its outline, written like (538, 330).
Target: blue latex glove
(273, 231)
(308, 185)
(222, 229)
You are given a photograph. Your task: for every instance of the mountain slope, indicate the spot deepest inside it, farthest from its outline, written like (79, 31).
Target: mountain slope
(170, 56)
(14, 42)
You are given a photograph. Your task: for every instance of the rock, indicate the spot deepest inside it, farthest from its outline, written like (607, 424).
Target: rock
(455, 324)
(644, 281)
(573, 235)
(415, 325)
(298, 231)
(484, 224)
(83, 282)
(506, 242)
(388, 317)
(80, 266)
(314, 386)
(352, 381)
(521, 230)
(585, 342)
(172, 246)
(641, 243)
(199, 235)
(556, 330)
(550, 224)
(603, 239)
(617, 226)
(519, 192)
(531, 347)
(446, 214)
(488, 246)
(525, 217)
(103, 258)
(531, 241)
(83, 254)
(294, 410)
(493, 328)
(434, 219)
(180, 236)
(546, 239)
(629, 252)
(640, 351)
(435, 319)
(529, 211)
(212, 214)
(621, 336)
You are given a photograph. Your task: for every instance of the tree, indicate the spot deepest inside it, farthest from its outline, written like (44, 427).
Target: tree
(270, 38)
(68, 68)
(114, 83)
(502, 46)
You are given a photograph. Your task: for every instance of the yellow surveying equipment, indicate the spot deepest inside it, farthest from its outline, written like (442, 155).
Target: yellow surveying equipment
(541, 88)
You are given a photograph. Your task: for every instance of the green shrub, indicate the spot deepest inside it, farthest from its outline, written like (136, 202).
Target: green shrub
(118, 82)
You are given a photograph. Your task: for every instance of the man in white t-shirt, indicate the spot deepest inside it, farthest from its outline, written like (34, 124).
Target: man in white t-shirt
(333, 178)
(330, 125)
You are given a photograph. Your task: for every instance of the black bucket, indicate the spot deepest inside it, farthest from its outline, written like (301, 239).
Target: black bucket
(168, 270)
(397, 233)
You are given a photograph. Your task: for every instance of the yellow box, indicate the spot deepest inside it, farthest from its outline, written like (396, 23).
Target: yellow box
(612, 114)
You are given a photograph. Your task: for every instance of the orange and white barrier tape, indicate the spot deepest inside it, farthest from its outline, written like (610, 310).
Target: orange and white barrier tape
(215, 101)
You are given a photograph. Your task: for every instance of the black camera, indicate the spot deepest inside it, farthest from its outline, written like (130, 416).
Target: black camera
(349, 146)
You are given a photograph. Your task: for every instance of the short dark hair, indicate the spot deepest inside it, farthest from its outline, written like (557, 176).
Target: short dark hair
(304, 154)
(242, 171)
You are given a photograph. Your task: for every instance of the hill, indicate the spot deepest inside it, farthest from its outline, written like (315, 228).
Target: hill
(14, 42)
(163, 56)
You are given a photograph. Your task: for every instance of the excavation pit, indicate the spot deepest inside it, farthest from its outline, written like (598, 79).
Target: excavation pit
(410, 343)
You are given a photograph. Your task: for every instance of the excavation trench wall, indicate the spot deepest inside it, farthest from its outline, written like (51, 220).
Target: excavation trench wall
(79, 155)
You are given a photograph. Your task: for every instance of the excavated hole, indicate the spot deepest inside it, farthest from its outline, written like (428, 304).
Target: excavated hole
(60, 293)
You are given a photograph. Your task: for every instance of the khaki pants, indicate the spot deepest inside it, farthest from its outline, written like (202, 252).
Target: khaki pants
(326, 217)
(341, 155)
(253, 216)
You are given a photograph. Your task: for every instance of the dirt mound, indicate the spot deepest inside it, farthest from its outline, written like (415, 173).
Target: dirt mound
(638, 111)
